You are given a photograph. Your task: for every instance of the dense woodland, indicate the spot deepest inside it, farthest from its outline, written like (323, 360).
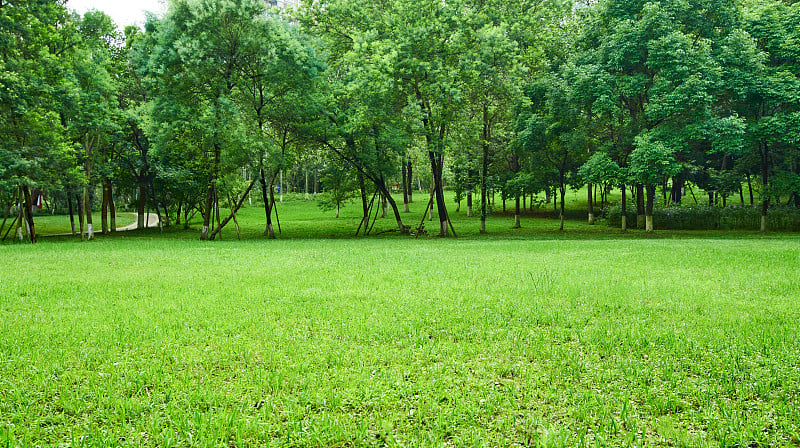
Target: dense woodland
(219, 100)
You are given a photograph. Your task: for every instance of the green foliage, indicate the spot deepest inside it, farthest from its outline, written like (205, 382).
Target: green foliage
(703, 217)
(600, 169)
(652, 161)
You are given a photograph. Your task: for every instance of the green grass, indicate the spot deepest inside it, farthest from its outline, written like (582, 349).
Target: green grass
(522, 337)
(148, 340)
(59, 224)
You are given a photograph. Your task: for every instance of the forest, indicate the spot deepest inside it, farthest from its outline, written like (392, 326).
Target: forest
(221, 100)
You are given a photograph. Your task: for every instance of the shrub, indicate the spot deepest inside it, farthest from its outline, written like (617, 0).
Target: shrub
(703, 217)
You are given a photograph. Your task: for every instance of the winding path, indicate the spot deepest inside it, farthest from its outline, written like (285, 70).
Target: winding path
(152, 221)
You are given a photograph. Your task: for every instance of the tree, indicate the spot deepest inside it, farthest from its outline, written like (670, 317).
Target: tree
(33, 151)
(201, 47)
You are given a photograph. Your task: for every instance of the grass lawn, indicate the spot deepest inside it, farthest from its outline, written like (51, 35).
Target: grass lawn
(59, 224)
(523, 337)
(147, 339)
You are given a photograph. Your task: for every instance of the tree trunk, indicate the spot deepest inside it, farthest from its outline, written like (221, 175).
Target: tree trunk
(624, 208)
(306, 187)
(5, 218)
(104, 208)
(469, 204)
(590, 203)
(210, 194)
(71, 212)
(140, 209)
(517, 224)
(410, 182)
(484, 175)
(437, 167)
(21, 215)
(764, 183)
(405, 186)
(563, 190)
(640, 212)
(87, 211)
(234, 209)
(28, 206)
(750, 189)
(112, 207)
(81, 215)
(678, 182)
(651, 198)
(268, 231)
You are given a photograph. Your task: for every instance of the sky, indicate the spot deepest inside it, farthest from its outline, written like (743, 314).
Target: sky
(123, 12)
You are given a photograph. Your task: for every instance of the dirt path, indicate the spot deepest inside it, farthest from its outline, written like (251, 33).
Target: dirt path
(152, 221)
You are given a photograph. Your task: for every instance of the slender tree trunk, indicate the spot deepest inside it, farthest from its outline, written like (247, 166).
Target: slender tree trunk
(404, 170)
(81, 215)
(651, 198)
(764, 182)
(87, 209)
(590, 202)
(28, 204)
(640, 212)
(268, 230)
(517, 224)
(437, 167)
(678, 182)
(210, 194)
(306, 187)
(104, 208)
(750, 189)
(484, 176)
(410, 181)
(71, 212)
(469, 203)
(21, 215)
(363, 188)
(141, 206)
(5, 218)
(563, 191)
(235, 206)
(112, 207)
(624, 208)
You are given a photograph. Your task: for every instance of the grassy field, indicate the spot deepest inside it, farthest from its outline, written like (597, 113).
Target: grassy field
(526, 337)
(59, 224)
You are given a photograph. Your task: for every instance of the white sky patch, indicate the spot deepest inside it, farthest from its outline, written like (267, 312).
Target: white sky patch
(123, 12)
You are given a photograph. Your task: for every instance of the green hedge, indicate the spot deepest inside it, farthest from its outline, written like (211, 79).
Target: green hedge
(703, 217)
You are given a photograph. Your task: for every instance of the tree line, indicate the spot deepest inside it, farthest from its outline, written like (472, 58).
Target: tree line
(217, 99)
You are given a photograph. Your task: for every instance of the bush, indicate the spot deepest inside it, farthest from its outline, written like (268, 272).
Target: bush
(703, 217)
